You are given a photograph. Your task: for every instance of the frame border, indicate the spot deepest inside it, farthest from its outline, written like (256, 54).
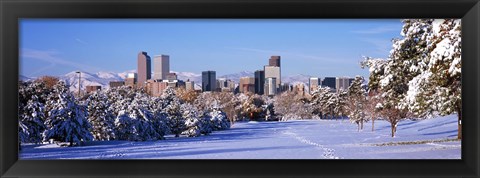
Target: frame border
(11, 11)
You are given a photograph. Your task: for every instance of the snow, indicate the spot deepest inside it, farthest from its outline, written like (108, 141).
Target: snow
(301, 139)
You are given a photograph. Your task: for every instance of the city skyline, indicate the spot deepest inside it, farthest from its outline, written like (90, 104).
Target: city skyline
(310, 47)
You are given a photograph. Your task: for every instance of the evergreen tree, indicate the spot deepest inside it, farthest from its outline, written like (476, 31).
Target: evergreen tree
(67, 121)
(193, 123)
(172, 109)
(31, 121)
(357, 100)
(101, 116)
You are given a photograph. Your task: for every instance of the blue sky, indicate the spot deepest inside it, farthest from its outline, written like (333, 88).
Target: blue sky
(312, 47)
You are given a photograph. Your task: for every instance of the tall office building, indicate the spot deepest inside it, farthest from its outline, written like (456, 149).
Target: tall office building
(342, 83)
(144, 68)
(161, 67)
(313, 84)
(270, 86)
(259, 82)
(273, 72)
(274, 61)
(209, 81)
(329, 82)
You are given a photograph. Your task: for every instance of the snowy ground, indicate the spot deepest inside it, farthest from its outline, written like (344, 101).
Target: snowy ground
(313, 139)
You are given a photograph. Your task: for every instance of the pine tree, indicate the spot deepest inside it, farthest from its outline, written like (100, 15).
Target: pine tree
(67, 121)
(193, 123)
(219, 120)
(172, 108)
(356, 102)
(31, 121)
(437, 88)
(101, 116)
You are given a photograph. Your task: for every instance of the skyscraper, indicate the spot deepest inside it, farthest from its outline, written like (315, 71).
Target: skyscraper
(209, 81)
(274, 61)
(161, 67)
(259, 82)
(144, 70)
(329, 82)
(273, 72)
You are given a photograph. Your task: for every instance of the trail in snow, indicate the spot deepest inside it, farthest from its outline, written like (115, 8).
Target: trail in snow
(328, 153)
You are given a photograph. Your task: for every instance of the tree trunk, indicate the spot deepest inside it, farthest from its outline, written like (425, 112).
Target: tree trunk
(373, 124)
(459, 111)
(361, 125)
(394, 128)
(358, 127)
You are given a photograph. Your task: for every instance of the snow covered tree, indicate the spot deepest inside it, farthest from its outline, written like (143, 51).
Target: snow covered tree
(31, 121)
(340, 108)
(193, 123)
(172, 108)
(423, 72)
(437, 87)
(322, 100)
(218, 119)
(101, 116)
(67, 121)
(137, 122)
(356, 102)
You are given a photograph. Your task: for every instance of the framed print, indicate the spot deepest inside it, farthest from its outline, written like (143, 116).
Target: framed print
(239, 88)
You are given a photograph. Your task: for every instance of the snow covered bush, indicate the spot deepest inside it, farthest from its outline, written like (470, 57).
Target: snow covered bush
(66, 121)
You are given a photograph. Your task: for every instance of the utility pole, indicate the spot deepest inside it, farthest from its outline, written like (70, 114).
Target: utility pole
(79, 77)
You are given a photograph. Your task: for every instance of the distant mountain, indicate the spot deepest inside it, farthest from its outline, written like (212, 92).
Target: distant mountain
(100, 78)
(298, 78)
(236, 76)
(24, 78)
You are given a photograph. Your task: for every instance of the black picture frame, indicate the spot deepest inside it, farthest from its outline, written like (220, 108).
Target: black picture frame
(11, 11)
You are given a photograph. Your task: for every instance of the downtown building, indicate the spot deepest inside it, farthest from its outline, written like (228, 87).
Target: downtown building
(225, 85)
(161, 67)
(314, 84)
(209, 81)
(259, 82)
(342, 83)
(189, 85)
(273, 72)
(131, 79)
(247, 84)
(270, 86)
(144, 69)
(329, 82)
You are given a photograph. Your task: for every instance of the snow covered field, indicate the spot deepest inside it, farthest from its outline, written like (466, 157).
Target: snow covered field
(310, 139)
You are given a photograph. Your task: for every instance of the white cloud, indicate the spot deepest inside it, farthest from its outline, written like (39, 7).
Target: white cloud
(53, 59)
(81, 41)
